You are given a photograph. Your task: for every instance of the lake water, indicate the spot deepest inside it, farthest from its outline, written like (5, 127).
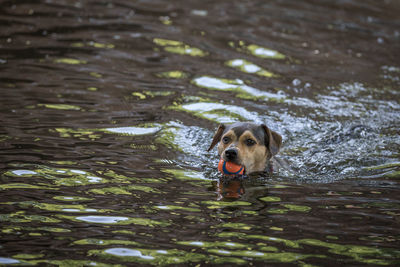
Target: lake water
(107, 109)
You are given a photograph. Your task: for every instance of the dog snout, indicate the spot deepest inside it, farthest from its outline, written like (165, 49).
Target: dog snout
(231, 153)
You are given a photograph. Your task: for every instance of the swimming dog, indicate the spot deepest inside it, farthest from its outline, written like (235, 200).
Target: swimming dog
(248, 144)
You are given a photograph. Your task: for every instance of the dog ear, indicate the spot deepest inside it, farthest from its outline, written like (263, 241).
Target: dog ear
(273, 140)
(217, 136)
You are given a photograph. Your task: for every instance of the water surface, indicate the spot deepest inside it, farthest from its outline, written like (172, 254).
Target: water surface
(107, 109)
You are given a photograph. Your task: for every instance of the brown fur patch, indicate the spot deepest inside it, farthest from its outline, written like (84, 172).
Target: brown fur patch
(222, 146)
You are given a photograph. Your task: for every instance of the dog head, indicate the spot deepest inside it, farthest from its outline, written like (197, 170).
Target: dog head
(247, 144)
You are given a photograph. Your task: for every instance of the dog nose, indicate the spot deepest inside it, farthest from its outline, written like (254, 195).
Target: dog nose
(231, 153)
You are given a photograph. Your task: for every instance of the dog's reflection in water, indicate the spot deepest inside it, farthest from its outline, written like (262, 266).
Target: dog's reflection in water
(230, 188)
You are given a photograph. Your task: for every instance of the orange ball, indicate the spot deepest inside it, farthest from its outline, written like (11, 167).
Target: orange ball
(230, 168)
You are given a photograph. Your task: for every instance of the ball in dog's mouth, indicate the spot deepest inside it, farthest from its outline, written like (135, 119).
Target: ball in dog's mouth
(230, 168)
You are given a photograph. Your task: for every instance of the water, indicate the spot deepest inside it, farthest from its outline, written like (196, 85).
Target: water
(107, 109)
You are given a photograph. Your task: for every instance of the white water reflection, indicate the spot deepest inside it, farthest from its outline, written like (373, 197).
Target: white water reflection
(23, 172)
(128, 252)
(102, 219)
(221, 113)
(133, 130)
(237, 86)
(4, 260)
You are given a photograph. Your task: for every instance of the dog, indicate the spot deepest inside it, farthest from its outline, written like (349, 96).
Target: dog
(248, 144)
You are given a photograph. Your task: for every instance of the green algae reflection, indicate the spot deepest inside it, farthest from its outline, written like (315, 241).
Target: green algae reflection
(23, 186)
(205, 244)
(383, 166)
(178, 47)
(60, 176)
(93, 44)
(101, 242)
(119, 220)
(81, 134)
(28, 256)
(17, 230)
(124, 190)
(175, 207)
(73, 177)
(70, 263)
(299, 208)
(257, 50)
(71, 198)
(148, 256)
(60, 106)
(71, 61)
(221, 204)
(161, 257)
(21, 217)
(256, 252)
(174, 74)
(237, 226)
(54, 207)
(391, 170)
(362, 254)
(270, 199)
(282, 257)
(194, 178)
(263, 52)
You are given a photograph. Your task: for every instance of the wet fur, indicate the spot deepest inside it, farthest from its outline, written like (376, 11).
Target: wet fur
(266, 144)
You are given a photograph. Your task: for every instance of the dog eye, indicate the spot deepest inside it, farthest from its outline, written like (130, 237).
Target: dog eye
(226, 140)
(250, 142)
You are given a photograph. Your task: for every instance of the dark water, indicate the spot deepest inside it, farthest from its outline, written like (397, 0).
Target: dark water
(107, 108)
